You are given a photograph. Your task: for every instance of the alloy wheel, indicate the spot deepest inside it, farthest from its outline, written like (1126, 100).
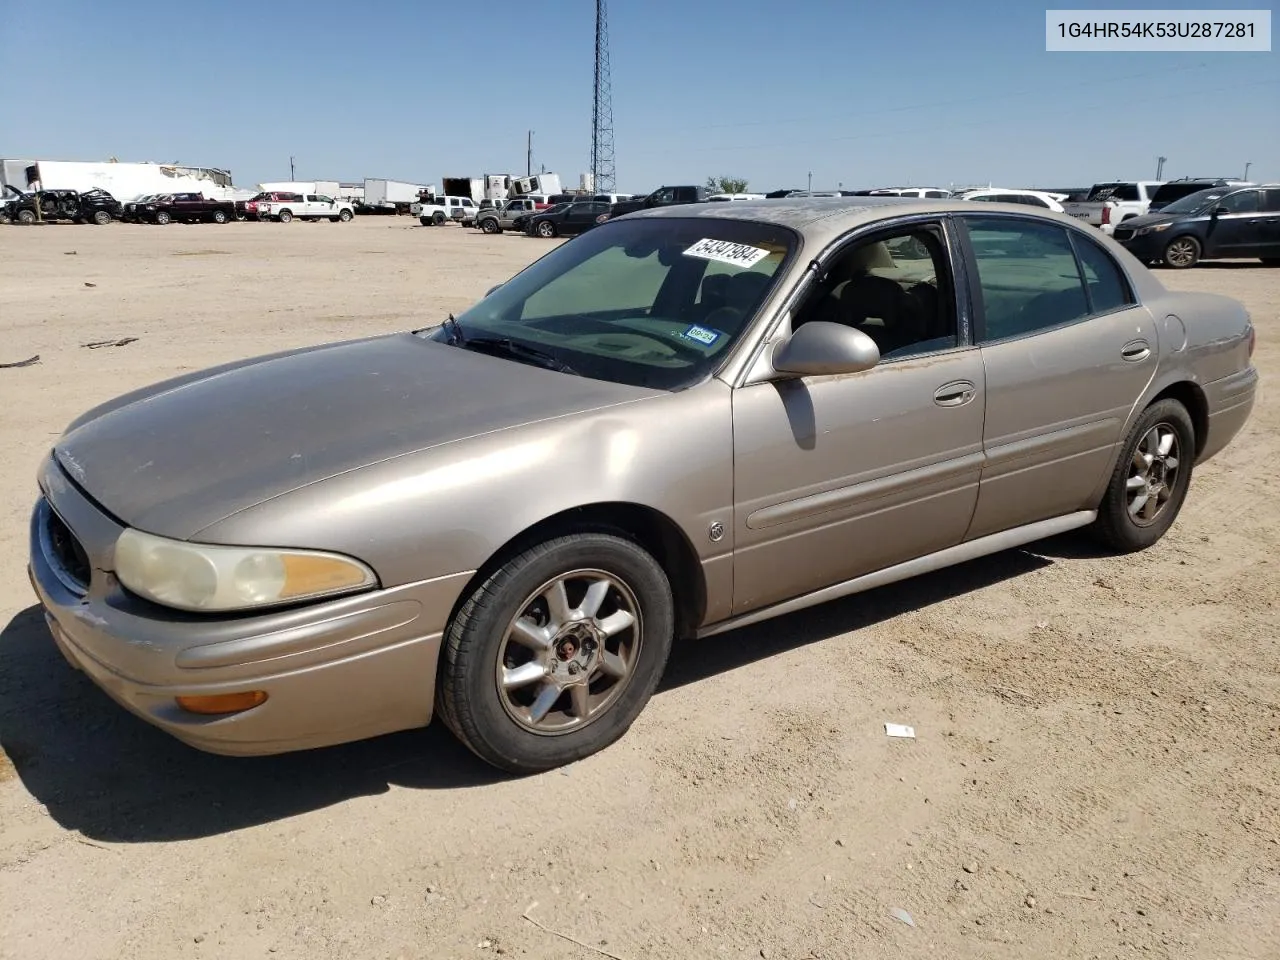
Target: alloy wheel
(1153, 474)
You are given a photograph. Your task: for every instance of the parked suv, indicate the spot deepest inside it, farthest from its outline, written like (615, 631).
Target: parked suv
(186, 208)
(1173, 190)
(1212, 224)
(497, 219)
(92, 206)
(433, 211)
(662, 197)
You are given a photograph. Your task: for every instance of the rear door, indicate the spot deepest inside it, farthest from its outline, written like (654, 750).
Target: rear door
(1271, 223)
(1067, 351)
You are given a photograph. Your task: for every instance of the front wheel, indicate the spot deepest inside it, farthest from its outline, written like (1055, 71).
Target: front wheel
(101, 218)
(1150, 480)
(546, 229)
(438, 218)
(1271, 261)
(1182, 252)
(490, 225)
(555, 654)
(162, 217)
(27, 217)
(344, 215)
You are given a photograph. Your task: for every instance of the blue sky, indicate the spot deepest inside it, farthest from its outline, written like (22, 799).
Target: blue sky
(857, 94)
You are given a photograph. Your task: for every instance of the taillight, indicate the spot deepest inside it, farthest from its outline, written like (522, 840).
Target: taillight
(1106, 214)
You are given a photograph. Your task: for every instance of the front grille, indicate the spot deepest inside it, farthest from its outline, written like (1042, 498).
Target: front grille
(67, 550)
(1123, 234)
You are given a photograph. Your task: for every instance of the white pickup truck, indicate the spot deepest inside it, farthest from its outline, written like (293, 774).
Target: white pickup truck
(311, 206)
(1111, 203)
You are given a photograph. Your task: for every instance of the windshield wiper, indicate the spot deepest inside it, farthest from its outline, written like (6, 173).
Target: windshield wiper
(517, 351)
(456, 339)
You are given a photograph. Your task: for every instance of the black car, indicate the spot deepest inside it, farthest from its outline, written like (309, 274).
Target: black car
(566, 219)
(92, 206)
(1213, 224)
(1173, 190)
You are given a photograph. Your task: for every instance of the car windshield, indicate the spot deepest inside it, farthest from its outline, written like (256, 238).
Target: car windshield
(651, 303)
(1194, 202)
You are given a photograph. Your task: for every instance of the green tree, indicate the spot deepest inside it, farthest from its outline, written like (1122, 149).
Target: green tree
(726, 185)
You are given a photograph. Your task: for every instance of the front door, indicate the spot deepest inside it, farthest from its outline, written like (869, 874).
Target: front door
(837, 476)
(1237, 231)
(1065, 362)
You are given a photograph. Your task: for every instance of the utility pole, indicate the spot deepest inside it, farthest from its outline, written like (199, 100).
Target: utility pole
(810, 181)
(1246, 170)
(1160, 166)
(528, 157)
(291, 176)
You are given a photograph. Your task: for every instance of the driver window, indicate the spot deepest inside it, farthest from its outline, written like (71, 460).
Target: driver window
(895, 288)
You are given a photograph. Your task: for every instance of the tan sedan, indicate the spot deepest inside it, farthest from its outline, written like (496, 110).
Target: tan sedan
(682, 421)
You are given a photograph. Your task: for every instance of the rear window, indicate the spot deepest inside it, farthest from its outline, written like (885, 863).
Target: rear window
(1176, 191)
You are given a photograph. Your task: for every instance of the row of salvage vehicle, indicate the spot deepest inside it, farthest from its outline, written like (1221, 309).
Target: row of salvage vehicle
(101, 208)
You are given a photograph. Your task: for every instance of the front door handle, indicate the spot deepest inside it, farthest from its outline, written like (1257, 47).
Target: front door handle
(1136, 351)
(955, 394)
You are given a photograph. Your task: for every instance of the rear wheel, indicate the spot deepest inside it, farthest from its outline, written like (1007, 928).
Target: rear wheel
(285, 216)
(555, 654)
(1150, 480)
(101, 218)
(490, 225)
(1182, 252)
(26, 216)
(425, 221)
(546, 229)
(438, 218)
(1271, 261)
(219, 216)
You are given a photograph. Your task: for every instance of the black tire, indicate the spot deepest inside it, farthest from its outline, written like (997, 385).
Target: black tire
(27, 216)
(219, 216)
(438, 218)
(546, 229)
(490, 225)
(101, 218)
(162, 217)
(425, 221)
(1116, 526)
(1271, 261)
(284, 216)
(1182, 252)
(468, 695)
(344, 215)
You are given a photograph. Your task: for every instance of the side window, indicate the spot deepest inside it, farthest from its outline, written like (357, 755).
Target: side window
(1106, 284)
(1244, 202)
(936, 194)
(665, 196)
(1271, 201)
(1028, 279)
(1126, 191)
(895, 288)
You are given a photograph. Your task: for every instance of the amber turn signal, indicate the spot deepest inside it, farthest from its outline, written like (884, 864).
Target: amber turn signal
(223, 702)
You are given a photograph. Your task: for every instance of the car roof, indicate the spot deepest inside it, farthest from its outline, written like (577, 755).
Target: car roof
(823, 219)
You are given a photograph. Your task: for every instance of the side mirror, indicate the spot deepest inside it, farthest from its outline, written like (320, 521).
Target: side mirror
(820, 348)
(1219, 211)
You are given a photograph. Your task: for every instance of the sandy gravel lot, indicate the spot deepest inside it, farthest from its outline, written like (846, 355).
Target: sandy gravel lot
(1096, 774)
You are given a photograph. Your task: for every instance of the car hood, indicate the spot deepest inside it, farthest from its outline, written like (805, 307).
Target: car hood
(173, 459)
(1149, 219)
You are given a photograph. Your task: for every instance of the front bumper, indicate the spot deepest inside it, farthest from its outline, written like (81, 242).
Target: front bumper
(1147, 247)
(334, 671)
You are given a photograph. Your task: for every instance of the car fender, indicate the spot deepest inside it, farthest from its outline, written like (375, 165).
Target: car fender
(450, 509)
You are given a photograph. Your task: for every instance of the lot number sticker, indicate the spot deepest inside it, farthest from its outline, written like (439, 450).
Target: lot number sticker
(701, 335)
(739, 254)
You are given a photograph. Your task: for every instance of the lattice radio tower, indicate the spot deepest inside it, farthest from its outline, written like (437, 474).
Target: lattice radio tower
(603, 173)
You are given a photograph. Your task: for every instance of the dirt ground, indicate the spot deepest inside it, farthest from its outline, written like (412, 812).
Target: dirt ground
(1096, 771)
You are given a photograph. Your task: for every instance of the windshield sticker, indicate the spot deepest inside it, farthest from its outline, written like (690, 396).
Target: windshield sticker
(739, 254)
(701, 335)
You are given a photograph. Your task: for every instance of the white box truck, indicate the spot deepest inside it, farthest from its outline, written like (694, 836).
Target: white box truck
(390, 196)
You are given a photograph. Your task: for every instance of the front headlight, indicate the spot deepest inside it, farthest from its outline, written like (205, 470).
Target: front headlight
(206, 578)
(1156, 228)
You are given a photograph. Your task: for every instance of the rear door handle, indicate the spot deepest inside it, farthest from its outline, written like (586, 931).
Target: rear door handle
(955, 394)
(1136, 351)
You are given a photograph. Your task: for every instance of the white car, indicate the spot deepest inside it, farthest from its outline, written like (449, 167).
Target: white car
(736, 196)
(1031, 198)
(921, 193)
(436, 210)
(312, 206)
